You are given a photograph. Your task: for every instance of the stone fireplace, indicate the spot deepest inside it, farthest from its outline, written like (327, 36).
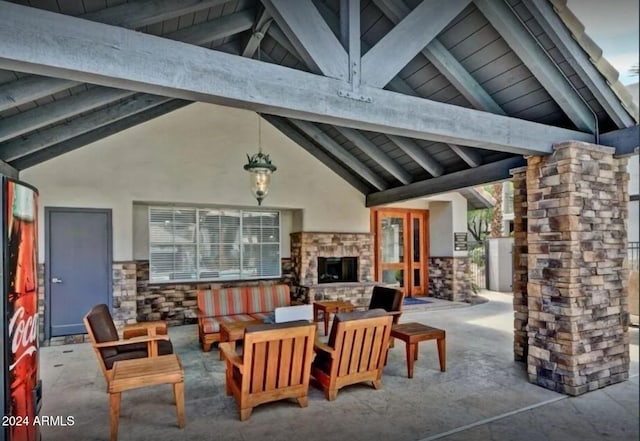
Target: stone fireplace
(334, 265)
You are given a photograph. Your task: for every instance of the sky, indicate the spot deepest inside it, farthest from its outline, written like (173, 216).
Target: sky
(613, 25)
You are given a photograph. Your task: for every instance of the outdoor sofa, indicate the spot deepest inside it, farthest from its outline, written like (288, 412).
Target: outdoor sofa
(242, 303)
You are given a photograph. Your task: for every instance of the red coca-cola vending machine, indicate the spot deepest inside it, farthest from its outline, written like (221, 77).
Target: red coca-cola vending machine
(22, 389)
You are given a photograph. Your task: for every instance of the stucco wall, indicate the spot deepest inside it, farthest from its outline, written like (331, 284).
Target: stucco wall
(195, 156)
(447, 215)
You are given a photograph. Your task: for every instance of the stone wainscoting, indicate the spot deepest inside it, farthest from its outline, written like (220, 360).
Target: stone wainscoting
(178, 303)
(449, 278)
(136, 300)
(306, 247)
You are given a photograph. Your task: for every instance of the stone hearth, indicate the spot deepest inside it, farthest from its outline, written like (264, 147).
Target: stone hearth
(306, 247)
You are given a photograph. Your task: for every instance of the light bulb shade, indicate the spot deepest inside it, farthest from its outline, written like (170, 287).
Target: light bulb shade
(260, 168)
(260, 180)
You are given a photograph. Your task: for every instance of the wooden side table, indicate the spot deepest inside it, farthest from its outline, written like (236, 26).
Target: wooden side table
(142, 372)
(234, 331)
(414, 333)
(330, 307)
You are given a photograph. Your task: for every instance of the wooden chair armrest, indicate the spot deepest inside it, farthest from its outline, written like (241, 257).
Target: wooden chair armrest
(318, 346)
(231, 356)
(148, 328)
(130, 341)
(394, 312)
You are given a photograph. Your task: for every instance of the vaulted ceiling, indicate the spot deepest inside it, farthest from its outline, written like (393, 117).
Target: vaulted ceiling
(401, 98)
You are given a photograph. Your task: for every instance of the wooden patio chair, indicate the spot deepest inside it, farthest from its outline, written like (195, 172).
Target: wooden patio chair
(389, 299)
(109, 348)
(275, 364)
(356, 351)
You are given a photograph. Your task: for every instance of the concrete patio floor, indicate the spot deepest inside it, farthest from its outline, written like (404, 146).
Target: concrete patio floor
(484, 395)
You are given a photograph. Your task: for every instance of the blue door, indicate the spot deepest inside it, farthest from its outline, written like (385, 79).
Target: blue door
(77, 267)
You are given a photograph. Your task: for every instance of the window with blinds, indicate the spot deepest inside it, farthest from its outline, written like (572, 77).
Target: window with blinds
(187, 244)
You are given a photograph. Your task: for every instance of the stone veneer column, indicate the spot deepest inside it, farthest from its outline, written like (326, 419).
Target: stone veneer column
(577, 244)
(520, 269)
(124, 293)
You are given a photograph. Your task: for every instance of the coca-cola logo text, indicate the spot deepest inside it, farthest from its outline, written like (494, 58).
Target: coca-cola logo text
(23, 332)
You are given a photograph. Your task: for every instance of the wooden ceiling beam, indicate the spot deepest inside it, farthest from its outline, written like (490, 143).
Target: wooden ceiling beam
(374, 152)
(136, 61)
(282, 124)
(484, 174)
(97, 134)
(537, 61)
(310, 35)
(17, 148)
(128, 15)
(337, 151)
(55, 111)
(418, 154)
(394, 51)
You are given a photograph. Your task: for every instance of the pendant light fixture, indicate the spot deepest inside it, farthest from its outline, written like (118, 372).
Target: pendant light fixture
(259, 165)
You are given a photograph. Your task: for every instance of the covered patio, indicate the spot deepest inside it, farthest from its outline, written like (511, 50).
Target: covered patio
(124, 108)
(482, 395)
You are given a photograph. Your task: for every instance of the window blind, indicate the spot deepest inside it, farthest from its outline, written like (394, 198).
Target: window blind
(187, 244)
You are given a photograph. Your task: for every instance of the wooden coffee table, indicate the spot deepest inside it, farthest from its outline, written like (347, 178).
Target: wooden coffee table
(141, 372)
(234, 331)
(414, 333)
(330, 307)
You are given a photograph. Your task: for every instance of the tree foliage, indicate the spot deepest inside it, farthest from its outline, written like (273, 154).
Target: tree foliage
(478, 222)
(496, 219)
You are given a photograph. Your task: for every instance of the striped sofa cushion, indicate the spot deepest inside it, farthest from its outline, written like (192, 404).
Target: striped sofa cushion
(221, 301)
(266, 298)
(212, 324)
(263, 316)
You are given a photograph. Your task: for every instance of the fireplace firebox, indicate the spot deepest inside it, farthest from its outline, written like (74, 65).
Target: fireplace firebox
(337, 269)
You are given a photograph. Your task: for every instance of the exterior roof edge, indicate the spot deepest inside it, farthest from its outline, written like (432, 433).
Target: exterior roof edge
(594, 52)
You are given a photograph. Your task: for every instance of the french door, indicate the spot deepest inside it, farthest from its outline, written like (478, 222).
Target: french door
(402, 249)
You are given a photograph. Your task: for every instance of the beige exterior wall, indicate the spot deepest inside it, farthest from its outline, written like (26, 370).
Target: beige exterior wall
(447, 215)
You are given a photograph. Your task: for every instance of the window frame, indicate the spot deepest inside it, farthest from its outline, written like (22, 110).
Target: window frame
(198, 244)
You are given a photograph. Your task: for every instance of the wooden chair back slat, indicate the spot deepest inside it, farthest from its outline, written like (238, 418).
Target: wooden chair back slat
(259, 361)
(298, 361)
(367, 346)
(345, 354)
(273, 360)
(377, 341)
(360, 345)
(356, 349)
(276, 364)
(286, 358)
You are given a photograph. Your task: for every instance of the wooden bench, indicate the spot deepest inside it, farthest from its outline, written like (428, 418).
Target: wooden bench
(142, 372)
(414, 333)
